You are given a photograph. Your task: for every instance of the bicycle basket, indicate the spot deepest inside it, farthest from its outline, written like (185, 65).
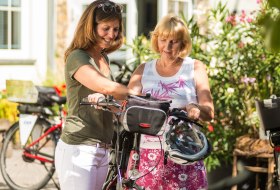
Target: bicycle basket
(145, 115)
(269, 113)
(184, 143)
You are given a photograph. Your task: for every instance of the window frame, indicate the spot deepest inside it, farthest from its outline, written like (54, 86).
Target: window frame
(23, 53)
(175, 9)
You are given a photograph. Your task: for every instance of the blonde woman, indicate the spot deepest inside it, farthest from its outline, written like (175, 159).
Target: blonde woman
(184, 80)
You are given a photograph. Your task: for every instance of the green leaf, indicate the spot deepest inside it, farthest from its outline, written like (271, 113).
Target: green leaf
(272, 39)
(274, 3)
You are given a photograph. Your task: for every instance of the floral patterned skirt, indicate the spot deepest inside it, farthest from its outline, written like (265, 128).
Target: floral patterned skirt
(169, 175)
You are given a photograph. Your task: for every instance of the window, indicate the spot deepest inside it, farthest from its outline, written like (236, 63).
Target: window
(180, 7)
(10, 24)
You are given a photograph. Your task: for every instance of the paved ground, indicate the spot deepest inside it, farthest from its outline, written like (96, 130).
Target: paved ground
(50, 185)
(15, 161)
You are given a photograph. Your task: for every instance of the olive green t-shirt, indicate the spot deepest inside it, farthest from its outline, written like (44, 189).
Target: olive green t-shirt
(84, 124)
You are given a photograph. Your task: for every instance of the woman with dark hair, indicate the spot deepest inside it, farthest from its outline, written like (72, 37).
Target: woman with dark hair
(82, 153)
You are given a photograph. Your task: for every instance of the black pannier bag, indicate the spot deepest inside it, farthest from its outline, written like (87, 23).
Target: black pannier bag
(269, 113)
(44, 95)
(145, 115)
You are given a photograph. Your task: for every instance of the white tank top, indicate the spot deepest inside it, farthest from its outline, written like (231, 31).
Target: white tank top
(179, 87)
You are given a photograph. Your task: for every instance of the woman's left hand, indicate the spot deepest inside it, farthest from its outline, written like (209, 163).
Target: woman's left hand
(193, 111)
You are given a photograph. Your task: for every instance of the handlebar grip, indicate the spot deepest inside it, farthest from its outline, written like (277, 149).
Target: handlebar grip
(103, 102)
(182, 115)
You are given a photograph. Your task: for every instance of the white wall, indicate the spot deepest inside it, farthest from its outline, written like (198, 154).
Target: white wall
(34, 46)
(247, 5)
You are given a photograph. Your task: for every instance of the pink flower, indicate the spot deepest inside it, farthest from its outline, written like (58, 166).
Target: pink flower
(231, 19)
(243, 15)
(249, 20)
(248, 80)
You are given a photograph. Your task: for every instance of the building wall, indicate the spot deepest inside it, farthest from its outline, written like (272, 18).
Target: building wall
(48, 27)
(30, 63)
(62, 26)
(238, 5)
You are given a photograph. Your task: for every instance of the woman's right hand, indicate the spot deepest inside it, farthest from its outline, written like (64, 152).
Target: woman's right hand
(193, 111)
(95, 98)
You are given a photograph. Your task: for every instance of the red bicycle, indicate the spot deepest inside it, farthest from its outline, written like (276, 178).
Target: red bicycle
(27, 155)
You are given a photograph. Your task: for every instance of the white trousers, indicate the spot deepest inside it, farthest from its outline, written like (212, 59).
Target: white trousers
(81, 167)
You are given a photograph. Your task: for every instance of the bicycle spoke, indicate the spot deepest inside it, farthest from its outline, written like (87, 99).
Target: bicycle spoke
(20, 168)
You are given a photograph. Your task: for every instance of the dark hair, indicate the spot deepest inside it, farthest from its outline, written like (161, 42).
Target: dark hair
(85, 34)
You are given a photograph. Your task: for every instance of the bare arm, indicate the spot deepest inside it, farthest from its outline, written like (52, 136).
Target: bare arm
(92, 79)
(135, 80)
(204, 96)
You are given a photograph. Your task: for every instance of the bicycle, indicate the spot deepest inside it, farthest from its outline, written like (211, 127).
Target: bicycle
(269, 112)
(27, 155)
(123, 172)
(117, 165)
(122, 167)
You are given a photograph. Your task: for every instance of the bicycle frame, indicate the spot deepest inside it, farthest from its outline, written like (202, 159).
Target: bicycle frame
(35, 156)
(119, 170)
(274, 138)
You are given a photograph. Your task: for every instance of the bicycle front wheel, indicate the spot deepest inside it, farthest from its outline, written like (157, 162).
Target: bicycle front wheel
(28, 168)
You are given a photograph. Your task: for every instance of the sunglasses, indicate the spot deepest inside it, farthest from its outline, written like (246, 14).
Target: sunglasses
(108, 8)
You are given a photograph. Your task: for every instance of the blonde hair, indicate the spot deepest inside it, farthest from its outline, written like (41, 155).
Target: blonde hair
(172, 26)
(85, 35)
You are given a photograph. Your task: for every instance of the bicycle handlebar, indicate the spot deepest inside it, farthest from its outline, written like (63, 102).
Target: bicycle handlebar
(183, 115)
(102, 102)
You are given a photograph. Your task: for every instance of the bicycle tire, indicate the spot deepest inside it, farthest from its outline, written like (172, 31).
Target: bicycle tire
(20, 172)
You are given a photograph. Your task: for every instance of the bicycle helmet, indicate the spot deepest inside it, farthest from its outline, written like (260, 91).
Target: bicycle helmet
(184, 143)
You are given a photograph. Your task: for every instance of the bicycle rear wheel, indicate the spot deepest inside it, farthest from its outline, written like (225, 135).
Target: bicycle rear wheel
(24, 172)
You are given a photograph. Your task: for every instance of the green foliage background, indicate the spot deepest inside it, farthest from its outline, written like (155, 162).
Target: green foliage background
(241, 69)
